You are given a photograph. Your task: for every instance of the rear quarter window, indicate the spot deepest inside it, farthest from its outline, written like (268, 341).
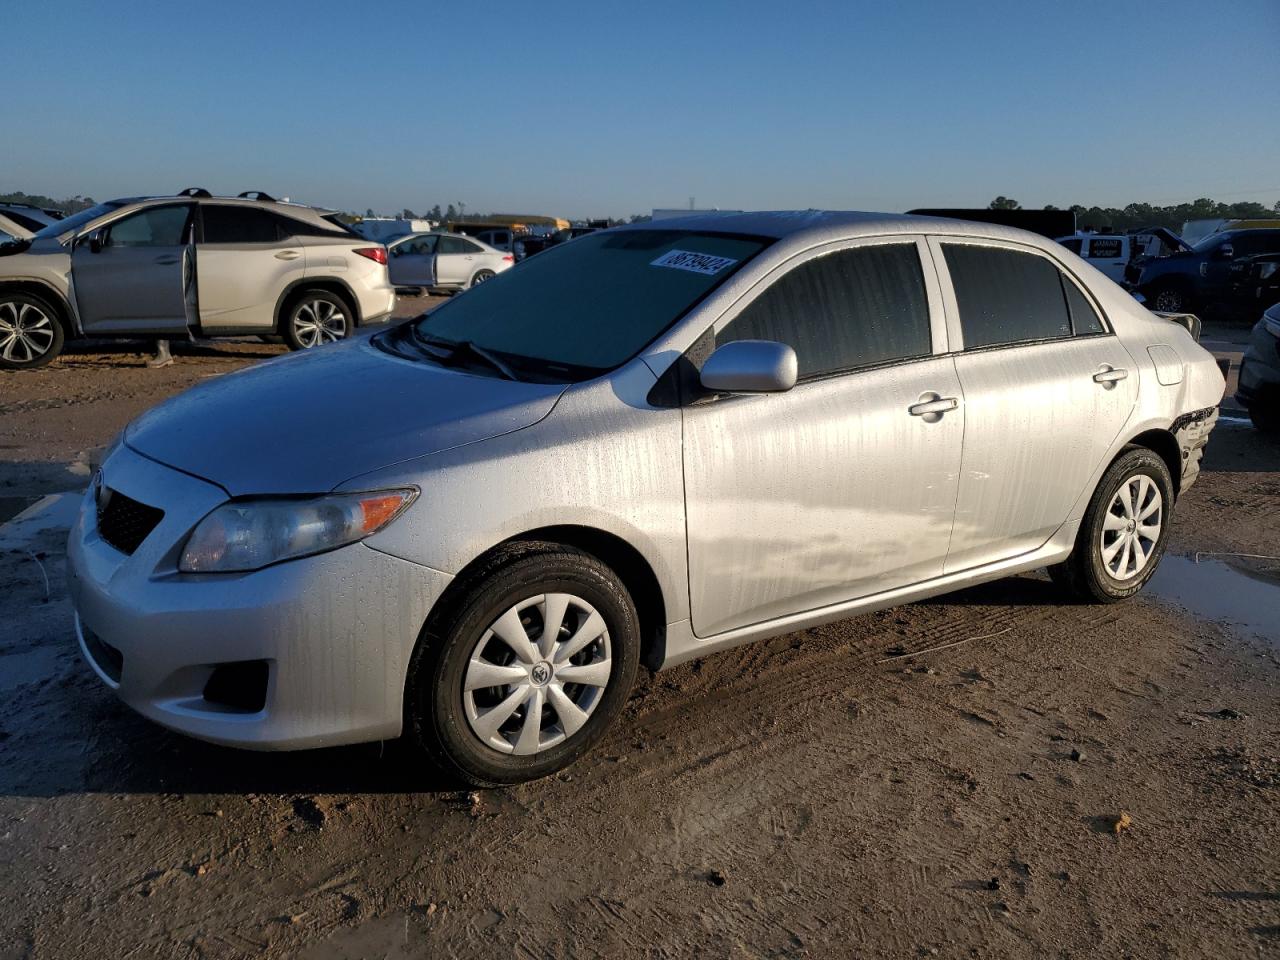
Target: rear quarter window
(1006, 296)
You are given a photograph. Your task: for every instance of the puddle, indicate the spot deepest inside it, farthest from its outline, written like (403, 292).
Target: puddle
(1213, 590)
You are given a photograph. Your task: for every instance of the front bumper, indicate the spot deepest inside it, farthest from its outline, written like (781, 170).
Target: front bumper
(335, 631)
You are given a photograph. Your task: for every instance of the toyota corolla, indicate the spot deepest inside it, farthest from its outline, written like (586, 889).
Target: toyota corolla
(648, 445)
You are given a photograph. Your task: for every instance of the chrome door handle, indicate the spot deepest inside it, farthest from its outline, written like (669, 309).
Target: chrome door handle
(1110, 376)
(288, 255)
(934, 407)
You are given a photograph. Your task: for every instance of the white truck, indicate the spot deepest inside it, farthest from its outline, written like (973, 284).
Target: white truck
(1111, 252)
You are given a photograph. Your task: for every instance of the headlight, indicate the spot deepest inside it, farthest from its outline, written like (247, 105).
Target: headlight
(256, 533)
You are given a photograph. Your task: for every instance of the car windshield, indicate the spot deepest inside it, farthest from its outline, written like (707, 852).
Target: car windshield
(78, 220)
(591, 305)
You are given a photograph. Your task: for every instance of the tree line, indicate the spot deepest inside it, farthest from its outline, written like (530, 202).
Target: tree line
(1136, 215)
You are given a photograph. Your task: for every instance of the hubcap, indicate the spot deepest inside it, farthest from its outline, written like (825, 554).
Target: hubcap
(480, 278)
(537, 673)
(26, 333)
(319, 321)
(1169, 301)
(1132, 527)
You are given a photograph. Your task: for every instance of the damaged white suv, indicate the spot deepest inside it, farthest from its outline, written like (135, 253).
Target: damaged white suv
(191, 264)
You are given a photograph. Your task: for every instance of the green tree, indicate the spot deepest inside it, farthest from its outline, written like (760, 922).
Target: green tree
(1004, 203)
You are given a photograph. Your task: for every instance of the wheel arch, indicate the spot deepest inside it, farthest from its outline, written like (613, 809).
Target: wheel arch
(630, 565)
(1163, 443)
(38, 288)
(332, 285)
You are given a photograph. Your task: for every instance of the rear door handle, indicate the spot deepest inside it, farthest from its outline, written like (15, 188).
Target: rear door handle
(1110, 376)
(288, 255)
(931, 405)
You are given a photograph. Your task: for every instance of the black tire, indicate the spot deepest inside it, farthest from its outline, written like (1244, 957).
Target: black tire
(1265, 420)
(480, 277)
(435, 713)
(1084, 573)
(15, 309)
(1170, 297)
(297, 323)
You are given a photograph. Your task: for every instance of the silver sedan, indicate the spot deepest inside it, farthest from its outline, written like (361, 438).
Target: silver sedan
(642, 447)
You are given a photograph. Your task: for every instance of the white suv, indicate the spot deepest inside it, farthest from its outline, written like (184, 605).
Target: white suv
(188, 264)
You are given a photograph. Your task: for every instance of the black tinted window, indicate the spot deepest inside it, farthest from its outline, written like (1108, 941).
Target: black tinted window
(239, 225)
(456, 245)
(1005, 296)
(1084, 319)
(844, 310)
(1073, 245)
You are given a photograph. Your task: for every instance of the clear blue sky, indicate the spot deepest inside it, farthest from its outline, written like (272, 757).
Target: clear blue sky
(601, 108)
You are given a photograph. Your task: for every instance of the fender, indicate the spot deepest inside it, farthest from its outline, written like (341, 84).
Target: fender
(352, 299)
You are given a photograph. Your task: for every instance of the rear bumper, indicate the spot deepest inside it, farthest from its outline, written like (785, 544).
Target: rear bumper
(1192, 431)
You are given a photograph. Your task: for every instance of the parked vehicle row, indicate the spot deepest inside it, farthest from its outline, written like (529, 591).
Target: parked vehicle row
(188, 264)
(509, 505)
(1200, 276)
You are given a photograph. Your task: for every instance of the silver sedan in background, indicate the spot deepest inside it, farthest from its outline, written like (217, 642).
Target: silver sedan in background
(644, 446)
(443, 261)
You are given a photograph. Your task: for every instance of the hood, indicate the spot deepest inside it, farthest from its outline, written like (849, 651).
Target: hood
(306, 422)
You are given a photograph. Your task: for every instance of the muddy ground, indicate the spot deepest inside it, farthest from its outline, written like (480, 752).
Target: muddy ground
(1069, 781)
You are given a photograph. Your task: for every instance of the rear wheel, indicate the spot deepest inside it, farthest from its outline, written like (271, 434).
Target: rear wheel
(1124, 531)
(526, 669)
(481, 276)
(30, 334)
(315, 318)
(1265, 420)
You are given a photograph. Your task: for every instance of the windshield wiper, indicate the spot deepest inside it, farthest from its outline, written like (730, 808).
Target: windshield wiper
(456, 347)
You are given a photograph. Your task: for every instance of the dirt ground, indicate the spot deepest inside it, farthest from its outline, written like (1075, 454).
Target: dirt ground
(1065, 781)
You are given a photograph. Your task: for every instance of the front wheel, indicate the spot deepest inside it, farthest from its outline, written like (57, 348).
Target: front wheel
(30, 334)
(1171, 299)
(526, 669)
(1124, 531)
(317, 317)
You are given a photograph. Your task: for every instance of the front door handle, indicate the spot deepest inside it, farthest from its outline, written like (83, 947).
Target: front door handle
(1109, 376)
(288, 255)
(932, 407)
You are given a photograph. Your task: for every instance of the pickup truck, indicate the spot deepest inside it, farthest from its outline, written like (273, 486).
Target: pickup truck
(1112, 252)
(1200, 276)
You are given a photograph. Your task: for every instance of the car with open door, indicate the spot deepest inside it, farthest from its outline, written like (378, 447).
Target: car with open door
(190, 264)
(656, 442)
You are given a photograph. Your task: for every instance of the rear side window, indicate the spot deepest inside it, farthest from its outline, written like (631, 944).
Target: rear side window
(234, 224)
(1084, 319)
(844, 310)
(1005, 296)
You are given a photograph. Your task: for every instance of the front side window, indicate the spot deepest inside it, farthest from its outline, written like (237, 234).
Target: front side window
(152, 227)
(235, 224)
(844, 310)
(579, 309)
(1006, 296)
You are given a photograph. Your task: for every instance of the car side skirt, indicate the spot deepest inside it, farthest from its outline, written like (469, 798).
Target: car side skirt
(682, 645)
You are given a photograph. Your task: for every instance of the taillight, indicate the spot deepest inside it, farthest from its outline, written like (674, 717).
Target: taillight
(509, 258)
(376, 254)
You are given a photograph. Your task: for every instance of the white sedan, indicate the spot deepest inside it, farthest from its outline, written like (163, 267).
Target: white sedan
(443, 261)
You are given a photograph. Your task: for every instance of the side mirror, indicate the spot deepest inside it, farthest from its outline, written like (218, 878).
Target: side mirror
(750, 366)
(1226, 252)
(96, 240)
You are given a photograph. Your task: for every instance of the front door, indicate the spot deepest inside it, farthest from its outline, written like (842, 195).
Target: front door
(412, 262)
(1047, 388)
(135, 277)
(845, 486)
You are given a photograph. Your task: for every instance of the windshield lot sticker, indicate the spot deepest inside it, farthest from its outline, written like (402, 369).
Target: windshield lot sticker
(703, 263)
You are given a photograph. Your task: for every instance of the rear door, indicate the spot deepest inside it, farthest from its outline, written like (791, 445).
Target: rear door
(245, 258)
(455, 261)
(139, 278)
(845, 486)
(1047, 389)
(412, 262)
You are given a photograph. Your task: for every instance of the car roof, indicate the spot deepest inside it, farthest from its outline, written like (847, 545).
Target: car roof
(299, 211)
(820, 225)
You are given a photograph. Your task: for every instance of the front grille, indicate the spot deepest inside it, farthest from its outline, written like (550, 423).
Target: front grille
(108, 659)
(124, 522)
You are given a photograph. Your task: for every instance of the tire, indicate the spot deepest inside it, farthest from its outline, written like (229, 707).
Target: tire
(314, 318)
(1170, 298)
(1265, 421)
(30, 332)
(1096, 574)
(480, 277)
(453, 726)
